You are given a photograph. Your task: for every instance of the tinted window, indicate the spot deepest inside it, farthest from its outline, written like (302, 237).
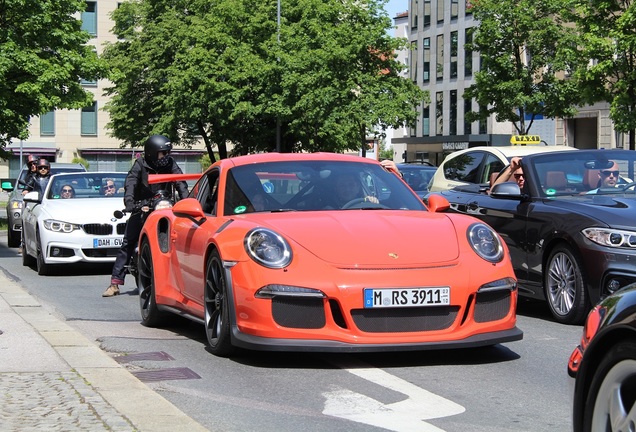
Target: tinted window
(464, 167)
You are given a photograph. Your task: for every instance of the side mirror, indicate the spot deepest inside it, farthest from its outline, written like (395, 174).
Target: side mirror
(7, 185)
(188, 207)
(437, 203)
(32, 197)
(507, 190)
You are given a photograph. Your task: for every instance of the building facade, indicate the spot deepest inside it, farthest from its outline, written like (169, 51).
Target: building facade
(440, 63)
(62, 135)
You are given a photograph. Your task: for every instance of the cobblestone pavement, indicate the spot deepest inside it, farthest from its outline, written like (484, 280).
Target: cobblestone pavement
(55, 401)
(52, 378)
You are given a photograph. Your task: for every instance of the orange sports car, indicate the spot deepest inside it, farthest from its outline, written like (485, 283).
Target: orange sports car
(323, 252)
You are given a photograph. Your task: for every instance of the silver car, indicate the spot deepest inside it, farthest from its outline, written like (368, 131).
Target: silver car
(15, 203)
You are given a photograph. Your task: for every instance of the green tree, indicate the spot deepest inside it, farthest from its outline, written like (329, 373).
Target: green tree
(525, 50)
(43, 56)
(225, 72)
(608, 37)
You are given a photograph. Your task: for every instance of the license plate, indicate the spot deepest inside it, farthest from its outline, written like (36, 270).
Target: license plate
(409, 297)
(109, 242)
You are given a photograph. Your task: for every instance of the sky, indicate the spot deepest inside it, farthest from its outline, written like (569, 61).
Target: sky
(394, 7)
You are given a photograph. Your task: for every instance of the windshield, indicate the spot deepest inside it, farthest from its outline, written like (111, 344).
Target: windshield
(315, 185)
(586, 172)
(87, 185)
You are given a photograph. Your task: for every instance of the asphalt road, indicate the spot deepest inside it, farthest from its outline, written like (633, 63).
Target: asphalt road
(519, 386)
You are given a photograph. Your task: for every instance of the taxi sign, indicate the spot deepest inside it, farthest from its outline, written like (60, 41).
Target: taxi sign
(525, 139)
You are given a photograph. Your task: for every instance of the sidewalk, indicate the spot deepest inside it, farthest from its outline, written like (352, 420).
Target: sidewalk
(52, 378)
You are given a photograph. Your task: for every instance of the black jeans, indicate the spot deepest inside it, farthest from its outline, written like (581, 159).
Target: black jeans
(128, 245)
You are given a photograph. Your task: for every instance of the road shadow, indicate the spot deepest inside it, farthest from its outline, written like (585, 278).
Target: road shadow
(532, 308)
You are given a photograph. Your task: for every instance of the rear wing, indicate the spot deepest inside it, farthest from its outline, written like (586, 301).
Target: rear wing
(167, 178)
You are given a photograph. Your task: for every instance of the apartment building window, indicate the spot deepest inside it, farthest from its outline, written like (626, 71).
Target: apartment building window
(439, 113)
(413, 60)
(414, 13)
(468, 53)
(483, 126)
(454, 9)
(426, 120)
(89, 120)
(453, 54)
(47, 124)
(440, 10)
(468, 126)
(87, 83)
(427, 13)
(426, 54)
(452, 120)
(89, 18)
(439, 68)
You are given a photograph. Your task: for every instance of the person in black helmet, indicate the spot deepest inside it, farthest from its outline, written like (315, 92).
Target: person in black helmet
(38, 182)
(32, 165)
(156, 160)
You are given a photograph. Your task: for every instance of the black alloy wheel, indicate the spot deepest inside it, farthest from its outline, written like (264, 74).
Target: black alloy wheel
(43, 268)
(151, 316)
(217, 323)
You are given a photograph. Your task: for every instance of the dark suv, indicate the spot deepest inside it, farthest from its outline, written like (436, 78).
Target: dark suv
(14, 205)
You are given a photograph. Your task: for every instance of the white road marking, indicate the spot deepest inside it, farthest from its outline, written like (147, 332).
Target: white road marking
(407, 415)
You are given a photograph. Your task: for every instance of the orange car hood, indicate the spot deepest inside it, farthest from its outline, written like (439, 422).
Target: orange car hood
(371, 237)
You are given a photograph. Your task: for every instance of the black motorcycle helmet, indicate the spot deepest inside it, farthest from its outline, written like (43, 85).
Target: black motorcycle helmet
(154, 145)
(32, 160)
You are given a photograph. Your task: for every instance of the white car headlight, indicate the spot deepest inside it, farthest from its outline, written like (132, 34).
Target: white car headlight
(485, 242)
(59, 226)
(611, 237)
(267, 248)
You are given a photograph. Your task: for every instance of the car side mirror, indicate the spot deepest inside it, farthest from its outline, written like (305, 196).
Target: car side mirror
(32, 197)
(7, 186)
(437, 203)
(507, 190)
(189, 208)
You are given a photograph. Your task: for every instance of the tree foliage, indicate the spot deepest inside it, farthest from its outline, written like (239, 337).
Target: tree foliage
(43, 56)
(224, 71)
(525, 49)
(608, 38)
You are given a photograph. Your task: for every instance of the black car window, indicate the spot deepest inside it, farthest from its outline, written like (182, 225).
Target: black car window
(492, 165)
(464, 167)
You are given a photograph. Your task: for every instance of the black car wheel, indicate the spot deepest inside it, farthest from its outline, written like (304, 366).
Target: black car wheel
(151, 316)
(13, 238)
(613, 391)
(564, 287)
(27, 260)
(43, 268)
(217, 323)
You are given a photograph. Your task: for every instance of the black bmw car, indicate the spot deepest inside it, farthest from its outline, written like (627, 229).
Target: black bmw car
(604, 365)
(571, 230)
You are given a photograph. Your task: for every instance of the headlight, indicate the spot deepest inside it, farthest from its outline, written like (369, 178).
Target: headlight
(267, 248)
(59, 226)
(163, 204)
(16, 204)
(485, 242)
(611, 237)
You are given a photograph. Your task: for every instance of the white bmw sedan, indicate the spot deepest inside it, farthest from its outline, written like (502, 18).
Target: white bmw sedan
(73, 220)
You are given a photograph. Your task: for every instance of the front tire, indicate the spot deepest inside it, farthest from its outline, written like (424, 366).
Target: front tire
(13, 238)
(43, 268)
(151, 316)
(613, 391)
(564, 286)
(217, 322)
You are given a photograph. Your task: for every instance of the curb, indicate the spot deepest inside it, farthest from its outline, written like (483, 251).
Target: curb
(143, 408)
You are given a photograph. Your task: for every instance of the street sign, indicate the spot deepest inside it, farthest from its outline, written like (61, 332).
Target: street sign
(525, 139)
